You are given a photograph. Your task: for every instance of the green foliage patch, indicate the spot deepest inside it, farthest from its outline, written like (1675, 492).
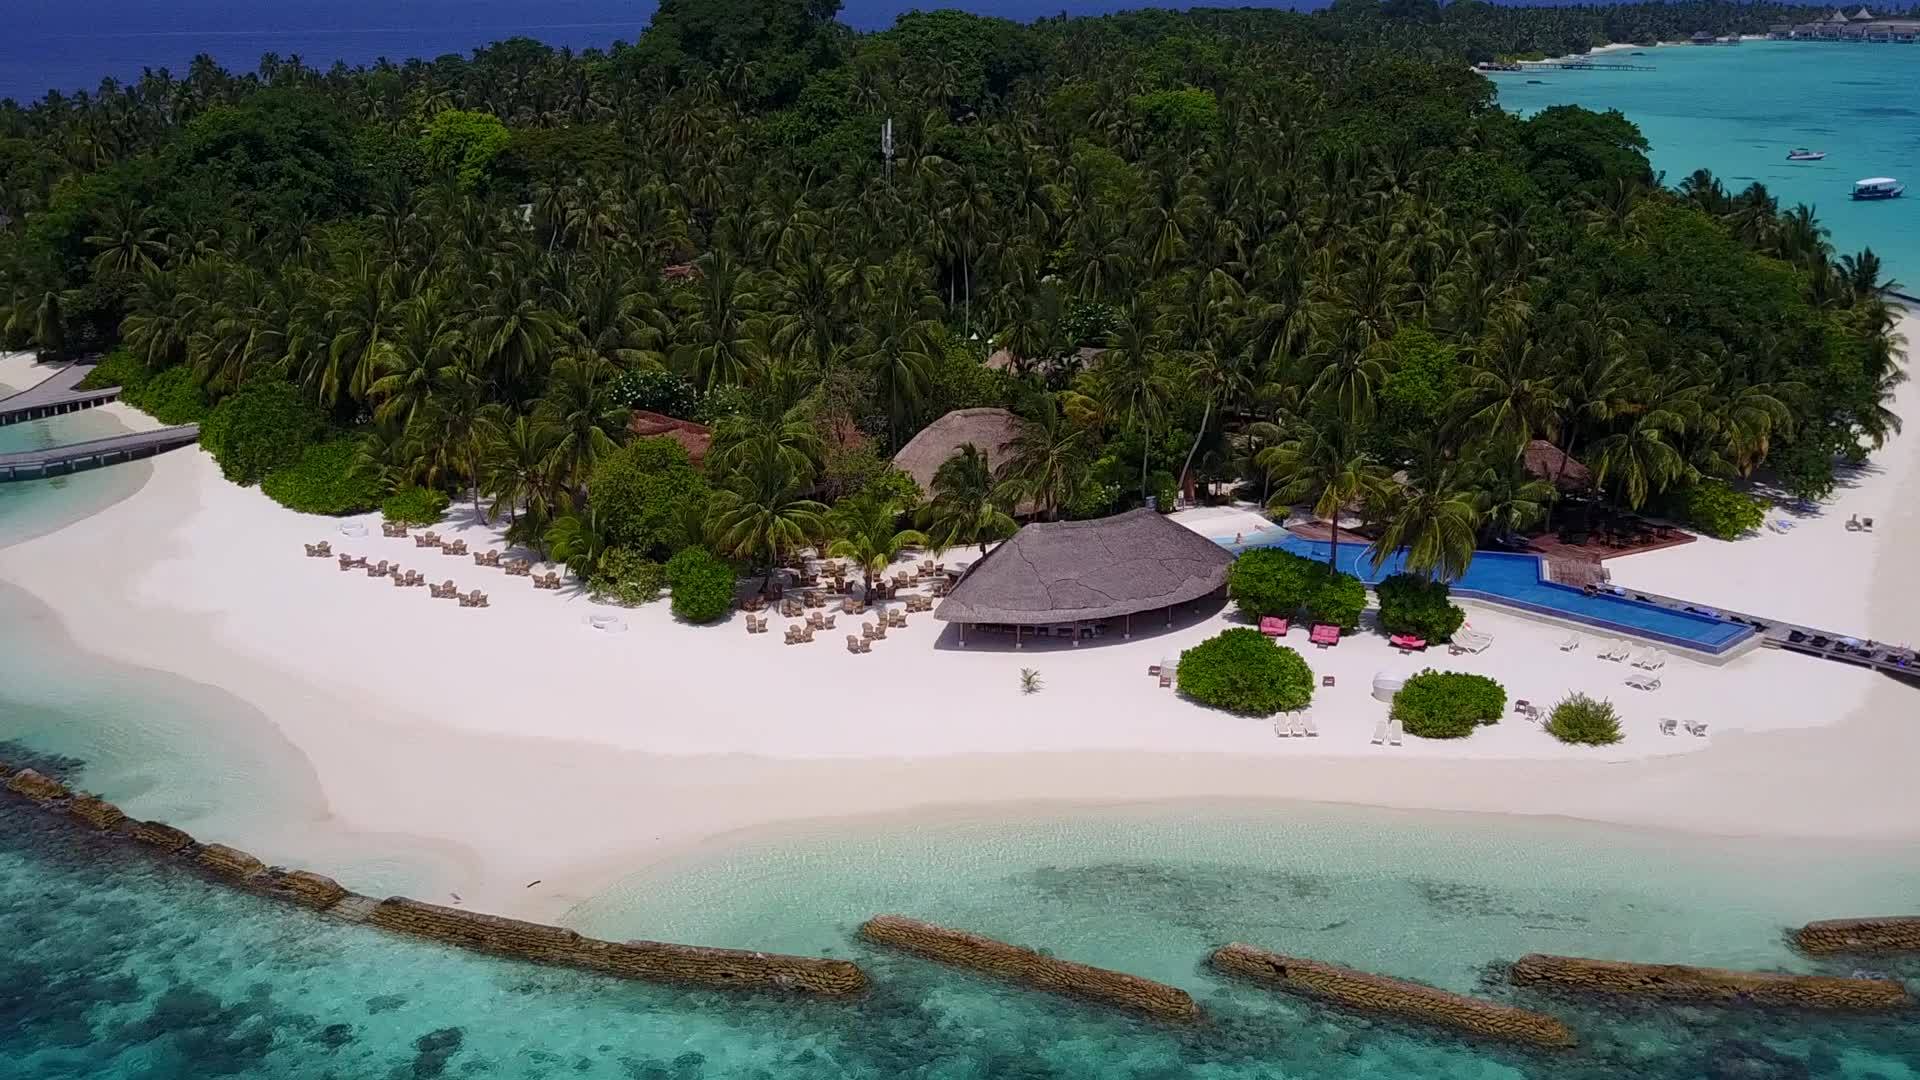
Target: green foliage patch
(1584, 720)
(1448, 704)
(264, 427)
(325, 479)
(1721, 512)
(1272, 581)
(702, 585)
(627, 577)
(1411, 604)
(644, 495)
(1239, 670)
(415, 506)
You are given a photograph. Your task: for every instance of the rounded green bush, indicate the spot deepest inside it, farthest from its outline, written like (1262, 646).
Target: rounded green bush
(1448, 704)
(702, 585)
(1270, 581)
(1239, 670)
(1580, 719)
(1410, 604)
(1338, 599)
(264, 427)
(628, 578)
(415, 506)
(325, 480)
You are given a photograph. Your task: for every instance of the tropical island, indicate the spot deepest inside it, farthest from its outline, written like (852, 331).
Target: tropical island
(759, 318)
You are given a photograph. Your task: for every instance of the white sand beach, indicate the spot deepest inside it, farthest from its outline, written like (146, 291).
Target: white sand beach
(517, 742)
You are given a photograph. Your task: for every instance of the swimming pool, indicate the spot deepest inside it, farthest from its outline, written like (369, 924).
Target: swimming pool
(1515, 580)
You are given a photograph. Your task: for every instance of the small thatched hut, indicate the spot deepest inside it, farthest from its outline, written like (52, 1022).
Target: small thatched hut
(695, 438)
(1073, 573)
(992, 430)
(1550, 463)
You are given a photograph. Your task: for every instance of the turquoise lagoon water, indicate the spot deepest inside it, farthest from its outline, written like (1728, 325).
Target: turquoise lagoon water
(1737, 111)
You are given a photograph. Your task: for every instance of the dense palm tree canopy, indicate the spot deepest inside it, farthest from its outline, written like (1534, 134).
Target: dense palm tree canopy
(1301, 252)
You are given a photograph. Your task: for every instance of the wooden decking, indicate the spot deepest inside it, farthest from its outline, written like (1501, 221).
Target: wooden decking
(58, 460)
(1795, 637)
(53, 396)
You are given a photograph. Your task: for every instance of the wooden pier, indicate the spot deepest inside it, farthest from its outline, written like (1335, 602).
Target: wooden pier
(72, 458)
(54, 396)
(1558, 65)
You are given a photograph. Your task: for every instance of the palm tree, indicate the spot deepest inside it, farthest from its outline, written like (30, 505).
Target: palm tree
(581, 408)
(1434, 519)
(1641, 457)
(864, 530)
(1129, 380)
(1324, 464)
(127, 244)
(1509, 497)
(1048, 455)
(967, 507)
(516, 469)
(576, 539)
(759, 512)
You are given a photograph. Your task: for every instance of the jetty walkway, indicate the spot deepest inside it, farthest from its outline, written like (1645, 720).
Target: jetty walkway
(53, 396)
(93, 453)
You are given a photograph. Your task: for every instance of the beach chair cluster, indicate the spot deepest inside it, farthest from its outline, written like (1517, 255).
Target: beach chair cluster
(401, 577)
(1324, 635)
(1696, 728)
(392, 530)
(1388, 731)
(1648, 661)
(1163, 671)
(517, 568)
(799, 633)
(1856, 523)
(1293, 725)
(1527, 709)
(548, 580)
(919, 603)
(487, 558)
(321, 550)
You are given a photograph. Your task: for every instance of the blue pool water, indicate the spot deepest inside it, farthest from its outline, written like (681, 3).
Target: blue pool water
(1515, 580)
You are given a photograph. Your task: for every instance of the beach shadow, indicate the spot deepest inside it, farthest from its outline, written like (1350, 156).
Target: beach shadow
(1846, 477)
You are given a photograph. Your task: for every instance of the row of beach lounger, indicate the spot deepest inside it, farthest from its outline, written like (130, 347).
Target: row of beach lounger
(401, 578)
(1295, 725)
(1389, 731)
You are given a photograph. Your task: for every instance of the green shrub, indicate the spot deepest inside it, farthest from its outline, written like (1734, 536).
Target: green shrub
(655, 391)
(702, 585)
(1241, 671)
(1338, 599)
(1719, 511)
(1165, 489)
(642, 493)
(1448, 704)
(264, 427)
(628, 578)
(172, 397)
(119, 368)
(1410, 604)
(415, 506)
(325, 480)
(1270, 581)
(1580, 719)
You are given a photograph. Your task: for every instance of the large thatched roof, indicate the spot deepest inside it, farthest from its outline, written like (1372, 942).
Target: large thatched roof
(1549, 462)
(991, 430)
(1073, 570)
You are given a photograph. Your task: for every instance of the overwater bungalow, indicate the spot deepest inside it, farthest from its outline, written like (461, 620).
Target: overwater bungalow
(1780, 31)
(1701, 37)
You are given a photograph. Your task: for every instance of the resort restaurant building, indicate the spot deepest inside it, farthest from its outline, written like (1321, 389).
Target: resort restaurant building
(1083, 579)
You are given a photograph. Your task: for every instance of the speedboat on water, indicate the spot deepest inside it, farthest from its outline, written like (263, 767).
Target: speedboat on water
(1804, 154)
(1878, 187)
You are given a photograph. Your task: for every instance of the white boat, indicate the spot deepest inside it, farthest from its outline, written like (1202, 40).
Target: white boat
(1878, 187)
(1804, 154)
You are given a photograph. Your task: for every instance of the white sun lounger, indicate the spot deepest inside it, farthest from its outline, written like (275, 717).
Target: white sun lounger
(1697, 728)
(1394, 731)
(1571, 643)
(1644, 682)
(1667, 725)
(1306, 722)
(1467, 639)
(1300, 725)
(1380, 732)
(1280, 726)
(1652, 660)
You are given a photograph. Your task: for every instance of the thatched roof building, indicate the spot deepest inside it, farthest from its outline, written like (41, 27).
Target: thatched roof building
(1549, 462)
(695, 438)
(992, 430)
(1081, 571)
